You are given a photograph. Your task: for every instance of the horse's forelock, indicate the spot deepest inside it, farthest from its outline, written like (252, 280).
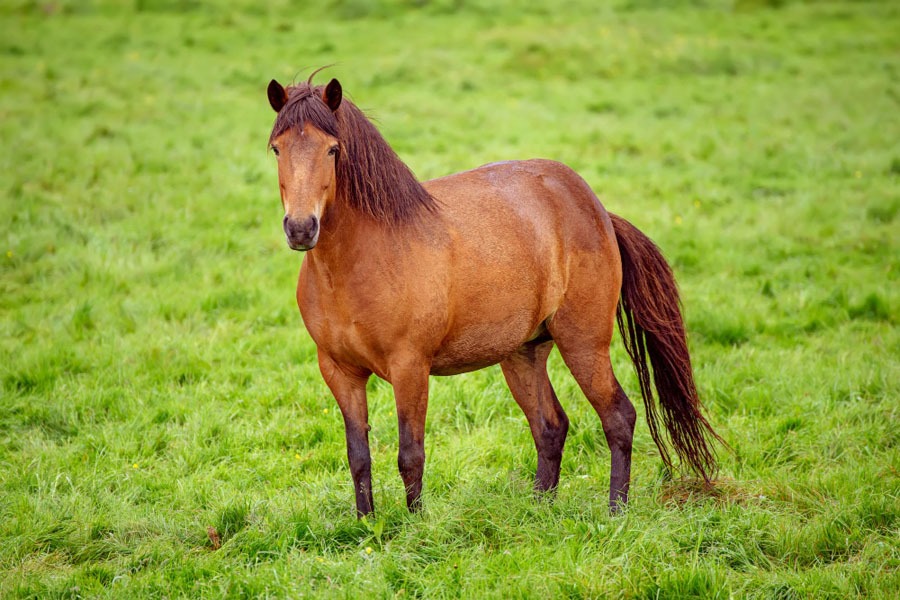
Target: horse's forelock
(304, 105)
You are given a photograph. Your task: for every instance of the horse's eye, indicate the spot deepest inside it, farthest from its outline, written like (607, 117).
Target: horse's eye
(275, 150)
(332, 151)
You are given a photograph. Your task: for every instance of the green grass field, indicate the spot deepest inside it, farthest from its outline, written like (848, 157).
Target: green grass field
(156, 380)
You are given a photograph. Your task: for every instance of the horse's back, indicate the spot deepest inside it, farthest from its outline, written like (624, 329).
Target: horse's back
(536, 211)
(539, 192)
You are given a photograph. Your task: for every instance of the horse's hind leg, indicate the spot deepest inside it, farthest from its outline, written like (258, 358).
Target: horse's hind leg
(526, 375)
(587, 356)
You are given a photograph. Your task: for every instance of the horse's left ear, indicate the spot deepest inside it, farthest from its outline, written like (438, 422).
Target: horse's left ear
(333, 94)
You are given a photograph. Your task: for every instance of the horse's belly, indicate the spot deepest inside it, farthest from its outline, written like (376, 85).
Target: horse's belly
(484, 344)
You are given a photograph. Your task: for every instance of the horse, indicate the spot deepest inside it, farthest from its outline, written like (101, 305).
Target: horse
(406, 280)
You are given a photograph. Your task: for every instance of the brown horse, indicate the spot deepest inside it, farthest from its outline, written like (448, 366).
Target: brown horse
(488, 266)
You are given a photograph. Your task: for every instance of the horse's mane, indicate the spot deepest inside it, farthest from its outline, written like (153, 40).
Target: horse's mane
(371, 178)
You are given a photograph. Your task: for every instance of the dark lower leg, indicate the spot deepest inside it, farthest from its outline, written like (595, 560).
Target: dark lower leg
(550, 449)
(526, 375)
(411, 462)
(360, 468)
(618, 425)
(411, 396)
(349, 389)
(590, 365)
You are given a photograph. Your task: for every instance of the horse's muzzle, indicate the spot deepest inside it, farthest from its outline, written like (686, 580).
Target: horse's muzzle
(301, 235)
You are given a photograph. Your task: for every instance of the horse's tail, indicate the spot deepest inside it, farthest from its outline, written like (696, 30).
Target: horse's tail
(651, 324)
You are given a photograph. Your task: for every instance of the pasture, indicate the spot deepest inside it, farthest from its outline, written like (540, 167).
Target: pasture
(164, 430)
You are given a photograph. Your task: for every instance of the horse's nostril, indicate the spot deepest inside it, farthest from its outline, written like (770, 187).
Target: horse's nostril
(284, 221)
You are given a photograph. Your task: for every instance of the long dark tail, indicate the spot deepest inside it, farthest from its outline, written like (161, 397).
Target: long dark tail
(650, 322)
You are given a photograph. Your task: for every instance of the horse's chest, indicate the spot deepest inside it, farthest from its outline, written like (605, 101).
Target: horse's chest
(334, 323)
(362, 326)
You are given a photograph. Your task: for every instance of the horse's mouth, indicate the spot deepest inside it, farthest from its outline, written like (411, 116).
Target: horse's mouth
(302, 245)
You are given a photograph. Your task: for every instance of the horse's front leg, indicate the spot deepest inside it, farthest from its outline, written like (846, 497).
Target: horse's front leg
(410, 381)
(348, 385)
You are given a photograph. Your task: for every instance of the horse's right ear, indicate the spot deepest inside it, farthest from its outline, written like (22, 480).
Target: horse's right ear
(277, 95)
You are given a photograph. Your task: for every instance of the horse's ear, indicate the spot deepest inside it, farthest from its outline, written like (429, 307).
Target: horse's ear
(333, 94)
(277, 95)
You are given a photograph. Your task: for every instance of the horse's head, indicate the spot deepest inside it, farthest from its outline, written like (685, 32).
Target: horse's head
(305, 142)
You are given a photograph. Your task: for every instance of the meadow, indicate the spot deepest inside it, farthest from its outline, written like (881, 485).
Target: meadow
(164, 430)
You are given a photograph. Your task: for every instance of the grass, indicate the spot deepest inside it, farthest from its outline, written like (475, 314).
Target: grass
(157, 382)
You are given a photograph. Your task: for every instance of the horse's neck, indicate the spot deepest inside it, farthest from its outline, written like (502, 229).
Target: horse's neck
(351, 240)
(343, 232)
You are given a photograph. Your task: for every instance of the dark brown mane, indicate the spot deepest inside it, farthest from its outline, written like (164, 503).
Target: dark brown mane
(371, 178)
